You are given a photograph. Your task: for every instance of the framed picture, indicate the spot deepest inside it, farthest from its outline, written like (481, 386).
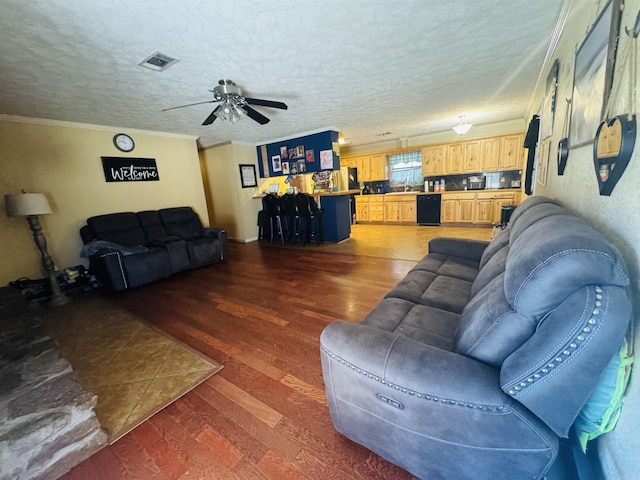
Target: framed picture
(292, 153)
(549, 103)
(543, 164)
(302, 166)
(310, 156)
(326, 159)
(283, 152)
(593, 75)
(248, 176)
(285, 168)
(299, 151)
(276, 163)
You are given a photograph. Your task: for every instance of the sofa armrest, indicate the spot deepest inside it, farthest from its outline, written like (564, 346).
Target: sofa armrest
(220, 234)
(108, 268)
(458, 247)
(405, 400)
(413, 366)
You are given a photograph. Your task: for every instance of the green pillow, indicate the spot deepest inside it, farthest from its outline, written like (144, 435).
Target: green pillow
(600, 413)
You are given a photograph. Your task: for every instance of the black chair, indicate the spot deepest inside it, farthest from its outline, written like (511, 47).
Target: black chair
(295, 219)
(273, 210)
(312, 217)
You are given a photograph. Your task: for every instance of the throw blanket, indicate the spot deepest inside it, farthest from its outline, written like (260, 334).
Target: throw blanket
(95, 246)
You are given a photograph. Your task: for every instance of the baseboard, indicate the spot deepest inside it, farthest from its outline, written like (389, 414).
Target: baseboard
(244, 240)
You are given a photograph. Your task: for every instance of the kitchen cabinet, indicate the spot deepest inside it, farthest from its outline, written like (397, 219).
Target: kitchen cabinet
(364, 168)
(400, 208)
(472, 156)
(482, 208)
(378, 167)
(362, 208)
(433, 160)
(454, 160)
(391, 210)
(376, 208)
(408, 213)
(490, 153)
(448, 210)
(372, 168)
(512, 156)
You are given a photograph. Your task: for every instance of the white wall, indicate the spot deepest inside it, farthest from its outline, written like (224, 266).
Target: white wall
(618, 216)
(62, 161)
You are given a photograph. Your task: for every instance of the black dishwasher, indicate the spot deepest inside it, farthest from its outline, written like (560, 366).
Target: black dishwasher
(428, 209)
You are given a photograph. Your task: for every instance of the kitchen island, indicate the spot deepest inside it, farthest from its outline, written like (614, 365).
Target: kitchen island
(336, 214)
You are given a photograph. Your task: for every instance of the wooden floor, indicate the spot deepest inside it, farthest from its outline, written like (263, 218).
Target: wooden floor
(265, 415)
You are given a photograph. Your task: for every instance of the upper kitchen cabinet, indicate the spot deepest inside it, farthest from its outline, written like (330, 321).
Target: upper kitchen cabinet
(472, 156)
(490, 153)
(454, 160)
(433, 160)
(512, 156)
(379, 167)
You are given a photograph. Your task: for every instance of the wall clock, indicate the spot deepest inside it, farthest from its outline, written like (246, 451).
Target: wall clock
(123, 142)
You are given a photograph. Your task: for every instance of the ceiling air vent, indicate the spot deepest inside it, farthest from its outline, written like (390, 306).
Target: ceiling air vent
(158, 62)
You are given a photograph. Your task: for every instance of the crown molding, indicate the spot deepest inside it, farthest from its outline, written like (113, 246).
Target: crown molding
(90, 126)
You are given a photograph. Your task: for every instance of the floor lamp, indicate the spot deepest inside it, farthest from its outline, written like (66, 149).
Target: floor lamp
(31, 205)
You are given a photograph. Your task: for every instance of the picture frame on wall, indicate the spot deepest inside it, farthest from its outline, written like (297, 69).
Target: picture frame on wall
(593, 75)
(549, 101)
(276, 163)
(248, 177)
(285, 168)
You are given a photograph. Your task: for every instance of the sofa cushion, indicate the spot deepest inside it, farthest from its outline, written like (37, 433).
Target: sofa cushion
(182, 222)
(557, 256)
(439, 291)
(448, 265)
(499, 241)
(423, 323)
(123, 228)
(490, 329)
(494, 267)
(152, 226)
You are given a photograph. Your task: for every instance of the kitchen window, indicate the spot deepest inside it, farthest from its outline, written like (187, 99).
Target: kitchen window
(406, 170)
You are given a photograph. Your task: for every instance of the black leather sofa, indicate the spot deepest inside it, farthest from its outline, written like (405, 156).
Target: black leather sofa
(128, 249)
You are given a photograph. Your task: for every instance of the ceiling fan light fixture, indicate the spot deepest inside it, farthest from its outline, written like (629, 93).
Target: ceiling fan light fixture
(462, 127)
(229, 111)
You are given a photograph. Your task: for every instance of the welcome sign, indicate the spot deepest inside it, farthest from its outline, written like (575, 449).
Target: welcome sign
(126, 169)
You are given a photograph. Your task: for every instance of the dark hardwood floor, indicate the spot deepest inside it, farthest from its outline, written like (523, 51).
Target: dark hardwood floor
(265, 415)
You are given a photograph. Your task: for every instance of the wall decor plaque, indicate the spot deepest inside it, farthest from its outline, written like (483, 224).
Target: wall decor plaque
(128, 169)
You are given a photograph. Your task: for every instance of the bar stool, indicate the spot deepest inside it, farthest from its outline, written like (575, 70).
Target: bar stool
(273, 210)
(294, 221)
(312, 214)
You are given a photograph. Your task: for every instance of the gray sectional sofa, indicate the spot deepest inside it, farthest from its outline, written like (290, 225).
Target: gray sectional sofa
(478, 362)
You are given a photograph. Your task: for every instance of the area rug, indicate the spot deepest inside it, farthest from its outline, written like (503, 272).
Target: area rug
(134, 369)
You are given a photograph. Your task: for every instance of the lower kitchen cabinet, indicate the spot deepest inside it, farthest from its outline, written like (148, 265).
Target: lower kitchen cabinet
(482, 208)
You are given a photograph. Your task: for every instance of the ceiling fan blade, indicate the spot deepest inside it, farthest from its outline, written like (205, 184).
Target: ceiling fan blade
(255, 115)
(266, 103)
(188, 105)
(212, 116)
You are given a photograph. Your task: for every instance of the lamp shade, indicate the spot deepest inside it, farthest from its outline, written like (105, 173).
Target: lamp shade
(25, 204)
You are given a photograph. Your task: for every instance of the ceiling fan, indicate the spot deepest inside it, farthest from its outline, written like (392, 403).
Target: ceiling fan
(233, 105)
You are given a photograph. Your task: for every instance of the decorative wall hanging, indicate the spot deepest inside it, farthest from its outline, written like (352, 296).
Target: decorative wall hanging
(326, 159)
(125, 169)
(616, 135)
(310, 156)
(248, 176)
(593, 75)
(549, 105)
(276, 163)
(563, 145)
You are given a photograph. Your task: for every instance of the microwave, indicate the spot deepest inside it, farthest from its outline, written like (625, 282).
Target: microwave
(477, 182)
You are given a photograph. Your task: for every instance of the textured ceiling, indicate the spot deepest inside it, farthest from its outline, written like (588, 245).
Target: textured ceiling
(364, 67)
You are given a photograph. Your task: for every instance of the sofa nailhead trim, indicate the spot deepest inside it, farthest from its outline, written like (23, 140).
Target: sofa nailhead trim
(566, 350)
(411, 392)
